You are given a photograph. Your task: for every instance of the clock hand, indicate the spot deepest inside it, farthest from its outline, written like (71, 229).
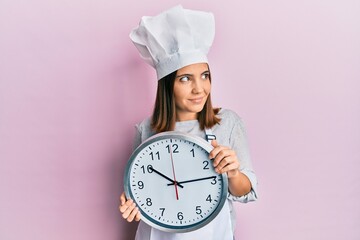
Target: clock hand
(173, 168)
(193, 180)
(156, 171)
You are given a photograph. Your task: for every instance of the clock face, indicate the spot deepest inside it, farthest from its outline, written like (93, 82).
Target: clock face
(173, 182)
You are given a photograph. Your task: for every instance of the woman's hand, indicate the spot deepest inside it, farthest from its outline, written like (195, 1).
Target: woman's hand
(225, 160)
(128, 209)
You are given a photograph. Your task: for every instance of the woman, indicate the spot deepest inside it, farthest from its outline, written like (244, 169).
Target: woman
(183, 103)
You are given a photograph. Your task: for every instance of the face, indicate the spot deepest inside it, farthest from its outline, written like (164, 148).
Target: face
(191, 90)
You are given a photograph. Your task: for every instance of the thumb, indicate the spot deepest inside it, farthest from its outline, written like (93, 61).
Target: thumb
(122, 198)
(214, 143)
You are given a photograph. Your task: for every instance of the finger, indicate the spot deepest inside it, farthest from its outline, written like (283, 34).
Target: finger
(138, 216)
(214, 143)
(122, 198)
(128, 211)
(216, 151)
(224, 162)
(229, 166)
(221, 155)
(125, 206)
(132, 215)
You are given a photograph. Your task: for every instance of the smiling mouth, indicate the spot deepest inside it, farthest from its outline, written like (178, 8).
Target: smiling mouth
(196, 100)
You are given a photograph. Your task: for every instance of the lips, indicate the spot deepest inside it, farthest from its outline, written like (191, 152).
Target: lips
(196, 100)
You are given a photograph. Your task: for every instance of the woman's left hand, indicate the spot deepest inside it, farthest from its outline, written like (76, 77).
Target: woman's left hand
(225, 160)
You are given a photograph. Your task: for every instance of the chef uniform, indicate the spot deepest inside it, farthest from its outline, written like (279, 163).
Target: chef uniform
(174, 39)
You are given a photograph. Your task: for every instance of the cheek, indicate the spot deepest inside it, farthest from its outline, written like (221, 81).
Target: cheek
(180, 93)
(207, 87)
(178, 96)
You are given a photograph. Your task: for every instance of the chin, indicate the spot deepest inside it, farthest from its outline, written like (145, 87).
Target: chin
(197, 109)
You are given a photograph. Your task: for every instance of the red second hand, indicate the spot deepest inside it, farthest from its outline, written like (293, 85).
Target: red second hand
(173, 168)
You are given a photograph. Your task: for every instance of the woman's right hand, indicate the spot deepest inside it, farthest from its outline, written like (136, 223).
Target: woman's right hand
(128, 209)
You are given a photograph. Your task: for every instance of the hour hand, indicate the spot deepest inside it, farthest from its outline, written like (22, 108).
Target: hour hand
(193, 180)
(172, 181)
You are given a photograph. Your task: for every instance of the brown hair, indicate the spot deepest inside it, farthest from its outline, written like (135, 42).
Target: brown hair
(164, 114)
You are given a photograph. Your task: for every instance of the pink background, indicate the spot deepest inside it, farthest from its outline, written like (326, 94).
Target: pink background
(72, 86)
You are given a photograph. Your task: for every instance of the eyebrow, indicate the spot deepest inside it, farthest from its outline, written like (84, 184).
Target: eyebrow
(190, 75)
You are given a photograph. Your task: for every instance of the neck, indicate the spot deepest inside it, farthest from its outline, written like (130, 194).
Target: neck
(180, 117)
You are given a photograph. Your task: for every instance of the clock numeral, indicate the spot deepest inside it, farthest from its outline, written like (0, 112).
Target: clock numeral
(180, 216)
(148, 202)
(148, 168)
(162, 211)
(206, 165)
(209, 199)
(198, 210)
(141, 184)
(213, 182)
(174, 148)
(157, 154)
(193, 153)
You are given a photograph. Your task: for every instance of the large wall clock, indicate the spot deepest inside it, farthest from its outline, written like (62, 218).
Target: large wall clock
(172, 180)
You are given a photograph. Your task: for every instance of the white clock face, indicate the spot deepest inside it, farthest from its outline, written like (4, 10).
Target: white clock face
(173, 182)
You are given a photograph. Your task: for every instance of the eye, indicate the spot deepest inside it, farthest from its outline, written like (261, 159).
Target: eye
(184, 79)
(205, 76)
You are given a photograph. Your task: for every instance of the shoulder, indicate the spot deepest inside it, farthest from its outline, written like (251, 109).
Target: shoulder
(144, 129)
(229, 129)
(144, 124)
(229, 116)
(230, 120)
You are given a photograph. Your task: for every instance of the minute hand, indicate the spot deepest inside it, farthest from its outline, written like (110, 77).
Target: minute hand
(194, 180)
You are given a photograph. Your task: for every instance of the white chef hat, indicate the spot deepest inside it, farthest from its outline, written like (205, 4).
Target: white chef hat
(174, 39)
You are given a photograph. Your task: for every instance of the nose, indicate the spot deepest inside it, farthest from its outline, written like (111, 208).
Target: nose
(197, 86)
